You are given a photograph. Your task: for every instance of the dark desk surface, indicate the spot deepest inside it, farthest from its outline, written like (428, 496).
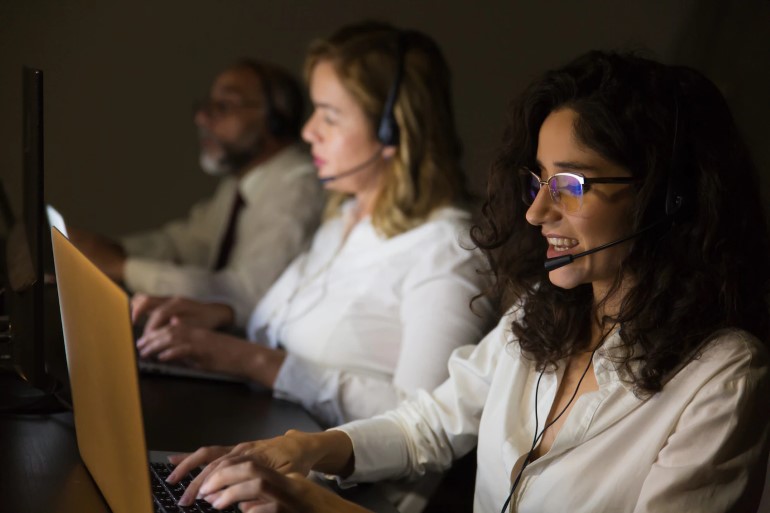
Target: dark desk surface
(41, 470)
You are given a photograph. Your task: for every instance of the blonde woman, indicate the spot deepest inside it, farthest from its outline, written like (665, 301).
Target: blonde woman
(371, 312)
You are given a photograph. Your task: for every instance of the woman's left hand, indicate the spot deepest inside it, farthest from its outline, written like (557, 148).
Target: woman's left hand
(208, 350)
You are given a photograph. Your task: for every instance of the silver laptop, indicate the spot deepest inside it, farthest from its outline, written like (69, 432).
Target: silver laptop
(56, 220)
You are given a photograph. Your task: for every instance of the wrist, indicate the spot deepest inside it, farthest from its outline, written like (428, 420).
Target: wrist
(224, 315)
(264, 364)
(329, 452)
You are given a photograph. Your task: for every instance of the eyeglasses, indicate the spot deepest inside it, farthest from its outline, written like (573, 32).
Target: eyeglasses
(221, 108)
(566, 189)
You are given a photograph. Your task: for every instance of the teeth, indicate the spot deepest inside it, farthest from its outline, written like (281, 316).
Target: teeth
(562, 243)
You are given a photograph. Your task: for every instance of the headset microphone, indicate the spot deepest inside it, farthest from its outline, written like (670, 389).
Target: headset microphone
(552, 264)
(353, 170)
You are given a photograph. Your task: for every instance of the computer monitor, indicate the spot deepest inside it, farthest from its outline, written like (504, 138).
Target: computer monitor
(8, 221)
(26, 347)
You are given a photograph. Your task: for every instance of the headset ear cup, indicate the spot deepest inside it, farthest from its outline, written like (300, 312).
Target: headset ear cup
(674, 185)
(387, 132)
(673, 202)
(674, 196)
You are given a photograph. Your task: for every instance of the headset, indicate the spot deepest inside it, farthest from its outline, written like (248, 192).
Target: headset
(387, 130)
(674, 194)
(278, 123)
(388, 133)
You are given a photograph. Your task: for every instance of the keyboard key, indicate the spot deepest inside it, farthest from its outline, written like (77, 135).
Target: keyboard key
(166, 496)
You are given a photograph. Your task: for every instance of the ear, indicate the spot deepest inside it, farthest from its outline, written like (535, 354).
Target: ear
(388, 152)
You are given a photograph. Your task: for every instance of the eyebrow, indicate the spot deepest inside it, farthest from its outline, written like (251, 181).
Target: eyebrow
(570, 166)
(321, 105)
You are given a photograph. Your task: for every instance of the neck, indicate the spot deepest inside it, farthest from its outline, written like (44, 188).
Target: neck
(608, 299)
(607, 303)
(271, 148)
(366, 198)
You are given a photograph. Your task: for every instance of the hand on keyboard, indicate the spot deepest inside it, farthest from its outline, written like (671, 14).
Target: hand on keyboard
(166, 495)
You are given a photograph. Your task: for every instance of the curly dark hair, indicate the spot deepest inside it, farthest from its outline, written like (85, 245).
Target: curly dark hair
(696, 272)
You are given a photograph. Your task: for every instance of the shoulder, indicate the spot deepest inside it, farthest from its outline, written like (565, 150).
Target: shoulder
(498, 348)
(728, 356)
(442, 240)
(445, 227)
(734, 348)
(293, 163)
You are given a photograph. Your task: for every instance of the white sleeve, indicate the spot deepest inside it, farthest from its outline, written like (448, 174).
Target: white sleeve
(182, 241)
(431, 430)
(436, 319)
(715, 459)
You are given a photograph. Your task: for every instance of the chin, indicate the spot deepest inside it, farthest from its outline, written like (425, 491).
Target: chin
(566, 278)
(212, 165)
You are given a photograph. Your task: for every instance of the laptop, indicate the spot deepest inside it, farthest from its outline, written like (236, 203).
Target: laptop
(102, 364)
(56, 220)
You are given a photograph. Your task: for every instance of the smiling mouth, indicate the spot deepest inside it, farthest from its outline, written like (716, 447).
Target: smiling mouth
(561, 243)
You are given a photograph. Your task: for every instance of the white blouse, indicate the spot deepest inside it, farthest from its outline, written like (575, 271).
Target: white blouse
(367, 320)
(698, 445)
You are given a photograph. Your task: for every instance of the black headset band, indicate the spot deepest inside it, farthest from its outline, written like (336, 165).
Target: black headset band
(276, 122)
(388, 130)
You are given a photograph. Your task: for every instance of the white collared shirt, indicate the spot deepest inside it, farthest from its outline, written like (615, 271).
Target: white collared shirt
(699, 445)
(368, 319)
(283, 202)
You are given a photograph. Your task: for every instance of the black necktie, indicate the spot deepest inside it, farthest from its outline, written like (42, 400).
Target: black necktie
(228, 241)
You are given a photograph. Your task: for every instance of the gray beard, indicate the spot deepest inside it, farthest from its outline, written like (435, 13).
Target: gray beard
(212, 166)
(232, 161)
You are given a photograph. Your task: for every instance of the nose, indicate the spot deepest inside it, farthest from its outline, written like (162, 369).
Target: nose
(543, 209)
(309, 132)
(201, 118)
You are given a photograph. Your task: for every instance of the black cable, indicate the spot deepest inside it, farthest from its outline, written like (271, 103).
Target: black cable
(527, 460)
(48, 401)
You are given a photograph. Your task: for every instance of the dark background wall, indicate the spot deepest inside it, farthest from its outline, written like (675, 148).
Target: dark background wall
(121, 77)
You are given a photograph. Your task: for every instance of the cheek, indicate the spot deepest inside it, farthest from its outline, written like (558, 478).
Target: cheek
(237, 129)
(607, 224)
(349, 150)
(224, 130)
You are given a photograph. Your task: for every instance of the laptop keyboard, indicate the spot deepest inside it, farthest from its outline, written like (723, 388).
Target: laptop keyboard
(166, 495)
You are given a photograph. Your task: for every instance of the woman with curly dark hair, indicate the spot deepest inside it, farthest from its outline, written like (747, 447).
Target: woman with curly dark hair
(630, 371)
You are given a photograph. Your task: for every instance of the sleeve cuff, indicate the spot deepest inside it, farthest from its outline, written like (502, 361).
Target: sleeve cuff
(313, 386)
(140, 275)
(380, 450)
(241, 314)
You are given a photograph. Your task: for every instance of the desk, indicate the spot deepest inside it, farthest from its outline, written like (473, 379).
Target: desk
(41, 470)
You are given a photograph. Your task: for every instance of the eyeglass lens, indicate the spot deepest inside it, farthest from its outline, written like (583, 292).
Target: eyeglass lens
(565, 189)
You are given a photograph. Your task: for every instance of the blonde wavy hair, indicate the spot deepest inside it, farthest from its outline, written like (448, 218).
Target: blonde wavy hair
(425, 173)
